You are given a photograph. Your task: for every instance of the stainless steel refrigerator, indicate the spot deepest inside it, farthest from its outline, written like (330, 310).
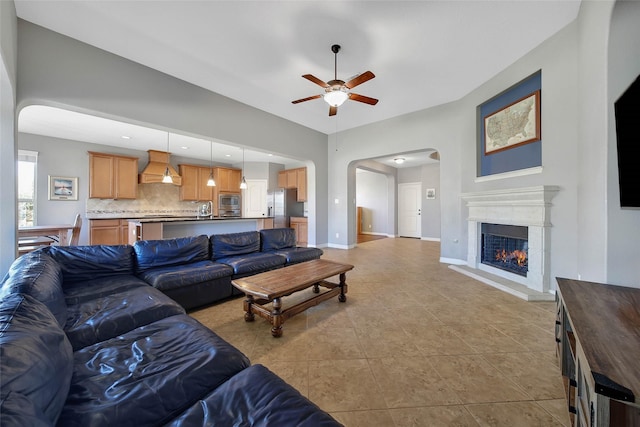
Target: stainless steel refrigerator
(283, 204)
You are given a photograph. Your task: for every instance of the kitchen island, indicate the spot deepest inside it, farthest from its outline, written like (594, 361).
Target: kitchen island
(155, 228)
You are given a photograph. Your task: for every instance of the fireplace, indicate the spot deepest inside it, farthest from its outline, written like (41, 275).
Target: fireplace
(518, 221)
(505, 247)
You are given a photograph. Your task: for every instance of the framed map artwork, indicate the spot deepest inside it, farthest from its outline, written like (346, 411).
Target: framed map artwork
(515, 124)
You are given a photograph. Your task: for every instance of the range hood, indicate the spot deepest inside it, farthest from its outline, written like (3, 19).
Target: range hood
(154, 171)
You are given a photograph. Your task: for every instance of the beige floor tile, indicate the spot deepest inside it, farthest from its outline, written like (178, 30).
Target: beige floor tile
(485, 338)
(433, 416)
(434, 339)
(379, 418)
(515, 414)
(533, 372)
(529, 335)
(377, 343)
(558, 409)
(344, 385)
(410, 382)
(474, 380)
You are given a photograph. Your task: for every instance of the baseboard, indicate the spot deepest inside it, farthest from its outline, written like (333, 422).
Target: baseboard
(431, 239)
(374, 233)
(336, 246)
(454, 261)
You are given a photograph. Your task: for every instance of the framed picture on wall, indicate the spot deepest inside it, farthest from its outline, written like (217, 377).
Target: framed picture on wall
(431, 193)
(515, 124)
(63, 188)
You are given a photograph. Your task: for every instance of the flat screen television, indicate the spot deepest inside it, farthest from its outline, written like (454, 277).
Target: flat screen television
(627, 114)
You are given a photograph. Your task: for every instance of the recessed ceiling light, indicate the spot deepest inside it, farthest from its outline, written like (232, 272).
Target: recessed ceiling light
(184, 147)
(227, 155)
(125, 137)
(270, 155)
(399, 160)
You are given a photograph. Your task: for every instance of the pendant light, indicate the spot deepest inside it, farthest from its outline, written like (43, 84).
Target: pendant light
(166, 177)
(211, 182)
(243, 184)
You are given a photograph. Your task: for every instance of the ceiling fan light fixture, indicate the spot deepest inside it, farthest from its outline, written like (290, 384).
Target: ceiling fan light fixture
(399, 160)
(336, 97)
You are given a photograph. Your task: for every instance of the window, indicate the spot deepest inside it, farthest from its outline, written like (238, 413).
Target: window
(27, 162)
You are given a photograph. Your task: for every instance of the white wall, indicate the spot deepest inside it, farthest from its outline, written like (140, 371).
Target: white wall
(8, 151)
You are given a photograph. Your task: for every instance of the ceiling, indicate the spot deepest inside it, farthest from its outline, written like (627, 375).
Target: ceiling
(423, 53)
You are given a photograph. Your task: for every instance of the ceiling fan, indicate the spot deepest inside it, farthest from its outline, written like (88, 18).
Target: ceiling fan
(337, 91)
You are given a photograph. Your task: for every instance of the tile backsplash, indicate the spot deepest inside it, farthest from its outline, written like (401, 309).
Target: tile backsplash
(153, 199)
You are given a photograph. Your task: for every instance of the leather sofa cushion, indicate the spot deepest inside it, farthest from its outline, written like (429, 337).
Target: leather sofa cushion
(79, 292)
(233, 244)
(255, 397)
(37, 361)
(149, 375)
(296, 255)
(87, 263)
(184, 275)
(252, 263)
(106, 317)
(166, 253)
(277, 238)
(19, 411)
(38, 275)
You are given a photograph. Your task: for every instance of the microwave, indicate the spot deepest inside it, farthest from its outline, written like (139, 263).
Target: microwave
(229, 205)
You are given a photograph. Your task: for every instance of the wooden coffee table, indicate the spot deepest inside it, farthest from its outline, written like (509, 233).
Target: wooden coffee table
(269, 287)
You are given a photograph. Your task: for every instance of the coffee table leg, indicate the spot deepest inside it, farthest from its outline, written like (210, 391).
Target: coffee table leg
(276, 318)
(343, 282)
(316, 288)
(248, 314)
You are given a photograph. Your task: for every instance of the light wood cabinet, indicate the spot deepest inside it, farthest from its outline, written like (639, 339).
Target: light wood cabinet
(194, 183)
(300, 224)
(227, 180)
(264, 223)
(597, 343)
(112, 176)
(108, 232)
(294, 178)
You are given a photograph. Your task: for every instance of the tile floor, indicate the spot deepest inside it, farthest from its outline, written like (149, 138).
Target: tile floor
(416, 344)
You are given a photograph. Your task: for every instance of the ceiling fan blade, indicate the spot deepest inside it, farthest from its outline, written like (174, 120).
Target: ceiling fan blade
(297, 101)
(362, 98)
(316, 80)
(366, 76)
(332, 110)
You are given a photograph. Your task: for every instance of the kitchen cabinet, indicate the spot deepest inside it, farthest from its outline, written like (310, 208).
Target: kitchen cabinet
(112, 176)
(597, 344)
(108, 232)
(300, 225)
(227, 179)
(264, 223)
(294, 178)
(194, 183)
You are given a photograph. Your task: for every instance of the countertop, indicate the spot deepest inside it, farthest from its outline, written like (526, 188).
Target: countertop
(191, 219)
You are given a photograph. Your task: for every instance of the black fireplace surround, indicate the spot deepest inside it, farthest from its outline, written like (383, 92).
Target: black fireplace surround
(505, 247)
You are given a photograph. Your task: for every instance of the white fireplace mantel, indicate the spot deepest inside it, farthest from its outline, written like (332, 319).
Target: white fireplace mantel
(530, 207)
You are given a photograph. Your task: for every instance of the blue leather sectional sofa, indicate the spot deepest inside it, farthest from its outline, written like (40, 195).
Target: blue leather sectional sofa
(86, 341)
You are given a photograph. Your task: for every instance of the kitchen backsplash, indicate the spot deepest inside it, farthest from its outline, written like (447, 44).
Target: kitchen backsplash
(153, 199)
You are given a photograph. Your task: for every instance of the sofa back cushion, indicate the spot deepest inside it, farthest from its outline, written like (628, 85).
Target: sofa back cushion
(85, 263)
(38, 275)
(277, 238)
(36, 360)
(166, 253)
(233, 244)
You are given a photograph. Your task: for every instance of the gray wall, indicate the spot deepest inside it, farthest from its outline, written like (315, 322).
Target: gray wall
(576, 151)
(624, 67)
(373, 197)
(8, 191)
(83, 78)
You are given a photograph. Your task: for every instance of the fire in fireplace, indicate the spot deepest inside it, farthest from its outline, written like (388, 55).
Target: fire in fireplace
(505, 247)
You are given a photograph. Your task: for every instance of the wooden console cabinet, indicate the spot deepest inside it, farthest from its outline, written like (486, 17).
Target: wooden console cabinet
(598, 344)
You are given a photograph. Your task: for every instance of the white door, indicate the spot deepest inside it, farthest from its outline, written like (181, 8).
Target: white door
(409, 210)
(254, 198)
